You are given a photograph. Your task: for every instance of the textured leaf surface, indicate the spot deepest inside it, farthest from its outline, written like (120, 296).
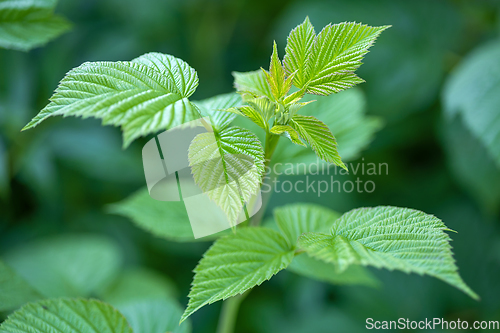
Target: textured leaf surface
(295, 219)
(236, 263)
(319, 137)
(322, 271)
(14, 290)
(211, 107)
(253, 83)
(228, 167)
(67, 266)
(325, 63)
(298, 50)
(344, 114)
(142, 96)
(276, 76)
(388, 237)
(473, 91)
(25, 24)
(289, 132)
(410, 59)
(68, 316)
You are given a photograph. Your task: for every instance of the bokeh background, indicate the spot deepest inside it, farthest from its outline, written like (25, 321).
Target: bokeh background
(57, 179)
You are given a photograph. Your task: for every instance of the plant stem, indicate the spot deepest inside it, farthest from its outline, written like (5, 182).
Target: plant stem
(270, 147)
(230, 307)
(229, 313)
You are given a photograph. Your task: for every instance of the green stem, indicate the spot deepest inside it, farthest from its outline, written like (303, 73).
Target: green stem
(271, 144)
(230, 307)
(270, 147)
(229, 313)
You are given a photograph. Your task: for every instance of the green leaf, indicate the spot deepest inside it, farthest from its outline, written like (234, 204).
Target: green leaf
(142, 96)
(388, 237)
(14, 290)
(67, 266)
(289, 132)
(154, 316)
(481, 179)
(296, 219)
(276, 76)
(228, 167)
(298, 50)
(473, 92)
(252, 83)
(319, 270)
(28, 24)
(66, 315)
(319, 137)
(252, 114)
(236, 263)
(4, 171)
(147, 300)
(138, 284)
(418, 48)
(165, 219)
(344, 114)
(326, 63)
(212, 107)
(259, 110)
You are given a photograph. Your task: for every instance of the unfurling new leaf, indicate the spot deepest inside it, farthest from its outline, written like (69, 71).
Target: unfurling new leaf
(325, 63)
(276, 77)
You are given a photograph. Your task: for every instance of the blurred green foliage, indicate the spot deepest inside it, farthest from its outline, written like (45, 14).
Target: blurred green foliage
(57, 180)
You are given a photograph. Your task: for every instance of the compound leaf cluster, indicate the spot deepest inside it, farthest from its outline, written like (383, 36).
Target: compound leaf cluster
(316, 64)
